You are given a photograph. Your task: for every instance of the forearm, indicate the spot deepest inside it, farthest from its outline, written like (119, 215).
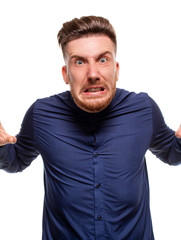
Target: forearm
(16, 157)
(174, 155)
(8, 160)
(165, 145)
(169, 153)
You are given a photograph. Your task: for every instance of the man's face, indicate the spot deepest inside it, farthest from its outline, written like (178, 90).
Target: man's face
(91, 71)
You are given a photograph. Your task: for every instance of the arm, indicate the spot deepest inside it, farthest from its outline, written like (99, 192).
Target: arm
(166, 144)
(18, 153)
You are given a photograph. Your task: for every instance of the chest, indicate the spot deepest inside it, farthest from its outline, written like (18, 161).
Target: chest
(119, 142)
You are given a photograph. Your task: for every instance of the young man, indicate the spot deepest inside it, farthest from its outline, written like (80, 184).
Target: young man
(93, 141)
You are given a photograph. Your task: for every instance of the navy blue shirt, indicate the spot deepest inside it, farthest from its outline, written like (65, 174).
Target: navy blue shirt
(96, 183)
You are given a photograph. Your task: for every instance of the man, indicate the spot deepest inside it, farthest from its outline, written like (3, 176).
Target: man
(93, 141)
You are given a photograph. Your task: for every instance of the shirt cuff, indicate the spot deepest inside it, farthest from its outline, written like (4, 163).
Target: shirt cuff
(4, 151)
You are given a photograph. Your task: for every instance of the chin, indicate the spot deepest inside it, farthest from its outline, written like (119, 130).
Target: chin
(93, 105)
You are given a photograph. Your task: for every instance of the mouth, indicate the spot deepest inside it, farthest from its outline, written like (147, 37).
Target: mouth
(94, 90)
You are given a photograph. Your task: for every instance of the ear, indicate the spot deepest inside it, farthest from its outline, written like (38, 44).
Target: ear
(65, 75)
(117, 71)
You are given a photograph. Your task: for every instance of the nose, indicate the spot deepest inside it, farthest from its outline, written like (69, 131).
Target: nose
(93, 72)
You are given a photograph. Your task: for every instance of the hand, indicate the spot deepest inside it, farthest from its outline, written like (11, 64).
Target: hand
(178, 132)
(5, 138)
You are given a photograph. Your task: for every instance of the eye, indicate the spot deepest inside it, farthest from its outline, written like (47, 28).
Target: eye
(103, 60)
(79, 62)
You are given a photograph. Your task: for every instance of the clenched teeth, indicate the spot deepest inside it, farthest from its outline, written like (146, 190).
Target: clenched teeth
(94, 90)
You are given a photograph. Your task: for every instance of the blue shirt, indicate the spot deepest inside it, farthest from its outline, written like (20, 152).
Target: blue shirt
(96, 183)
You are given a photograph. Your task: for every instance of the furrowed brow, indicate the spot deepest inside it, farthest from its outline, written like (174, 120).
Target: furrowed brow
(77, 57)
(104, 54)
(83, 58)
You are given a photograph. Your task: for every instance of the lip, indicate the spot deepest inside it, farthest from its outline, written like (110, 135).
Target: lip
(94, 90)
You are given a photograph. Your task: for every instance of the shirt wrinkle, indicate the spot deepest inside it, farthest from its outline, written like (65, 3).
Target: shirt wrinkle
(95, 174)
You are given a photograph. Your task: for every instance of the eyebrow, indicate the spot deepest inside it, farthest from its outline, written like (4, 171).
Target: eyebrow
(97, 57)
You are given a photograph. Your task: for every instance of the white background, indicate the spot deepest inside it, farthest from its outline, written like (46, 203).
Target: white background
(149, 53)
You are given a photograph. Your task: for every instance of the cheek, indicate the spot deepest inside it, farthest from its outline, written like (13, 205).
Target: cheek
(112, 77)
(116, 75)
(75, 75)
(77, 78)
(74, 83)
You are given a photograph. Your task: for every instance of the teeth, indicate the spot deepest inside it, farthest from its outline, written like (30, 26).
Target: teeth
(94, 89)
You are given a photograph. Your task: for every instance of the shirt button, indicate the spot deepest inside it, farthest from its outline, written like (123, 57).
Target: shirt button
(95, 154)
(98, 185)
(99, 218)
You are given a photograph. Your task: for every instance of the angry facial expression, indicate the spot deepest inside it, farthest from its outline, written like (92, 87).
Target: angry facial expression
(91, 71)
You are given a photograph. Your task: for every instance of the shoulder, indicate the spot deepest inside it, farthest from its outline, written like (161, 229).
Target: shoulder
(60, 101)
(54, 98)
(124, 97)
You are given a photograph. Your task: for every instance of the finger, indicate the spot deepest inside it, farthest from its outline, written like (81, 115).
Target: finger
(12, 140)
(5, 138)
(178, 132)
(1, 126)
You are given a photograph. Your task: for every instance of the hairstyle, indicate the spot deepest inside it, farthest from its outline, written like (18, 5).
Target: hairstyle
(86, 25)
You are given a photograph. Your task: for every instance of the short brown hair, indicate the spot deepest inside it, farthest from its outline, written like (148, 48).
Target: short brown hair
(87, 25)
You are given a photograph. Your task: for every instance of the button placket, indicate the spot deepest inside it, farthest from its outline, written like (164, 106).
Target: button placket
(98, 193)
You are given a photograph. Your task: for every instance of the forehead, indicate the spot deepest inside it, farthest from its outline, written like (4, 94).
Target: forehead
(90, 46)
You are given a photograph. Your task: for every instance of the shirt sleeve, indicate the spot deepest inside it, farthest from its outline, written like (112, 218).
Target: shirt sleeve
(164, 144)
(16, 157)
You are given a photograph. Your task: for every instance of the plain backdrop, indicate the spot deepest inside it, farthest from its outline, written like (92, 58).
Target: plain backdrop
(149, 53)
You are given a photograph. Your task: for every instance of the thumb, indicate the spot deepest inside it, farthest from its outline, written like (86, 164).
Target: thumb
(12, 140)
(178, 132)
